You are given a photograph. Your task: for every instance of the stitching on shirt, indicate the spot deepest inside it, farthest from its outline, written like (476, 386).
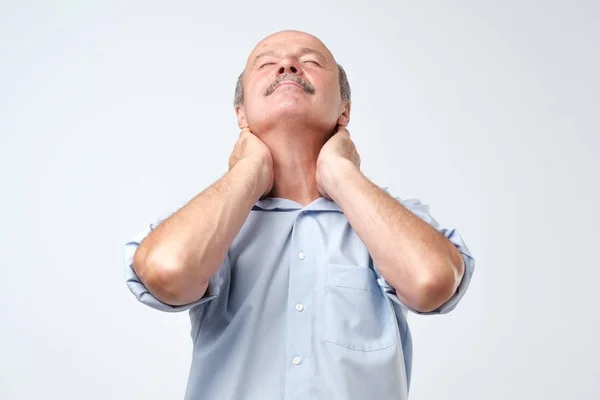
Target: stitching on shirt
(359, 349)
(355, 288)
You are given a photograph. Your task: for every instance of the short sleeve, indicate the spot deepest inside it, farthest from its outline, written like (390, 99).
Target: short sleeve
(142, 293)
(422, 211)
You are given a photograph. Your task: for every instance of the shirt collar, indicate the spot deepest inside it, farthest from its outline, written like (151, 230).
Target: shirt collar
(281, 204)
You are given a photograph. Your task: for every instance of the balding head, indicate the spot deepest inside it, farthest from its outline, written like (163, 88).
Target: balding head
(345, 91)
(292, 76)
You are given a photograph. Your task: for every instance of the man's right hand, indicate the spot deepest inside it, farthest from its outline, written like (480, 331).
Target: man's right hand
(250, 149)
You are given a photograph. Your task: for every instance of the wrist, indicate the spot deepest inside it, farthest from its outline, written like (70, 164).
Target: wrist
(335, 174)
(256, 175)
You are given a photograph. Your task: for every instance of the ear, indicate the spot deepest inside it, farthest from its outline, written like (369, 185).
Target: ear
(344, 118)
(241, 116)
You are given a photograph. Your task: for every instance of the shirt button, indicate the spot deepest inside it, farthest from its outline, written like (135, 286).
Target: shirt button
(299, 307)
(301, 255)
(296, 360)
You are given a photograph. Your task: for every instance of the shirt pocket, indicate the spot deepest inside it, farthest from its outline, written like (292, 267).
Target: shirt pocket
(357, 315)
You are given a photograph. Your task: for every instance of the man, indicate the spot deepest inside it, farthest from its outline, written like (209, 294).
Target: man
(297, 270)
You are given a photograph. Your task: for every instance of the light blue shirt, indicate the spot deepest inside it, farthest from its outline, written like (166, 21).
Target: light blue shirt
(298, 310)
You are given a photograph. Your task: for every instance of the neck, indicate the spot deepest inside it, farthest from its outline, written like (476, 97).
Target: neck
(295, 153)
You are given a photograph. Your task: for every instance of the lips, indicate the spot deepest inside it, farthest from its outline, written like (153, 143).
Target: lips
(291, 79)
(287, 83)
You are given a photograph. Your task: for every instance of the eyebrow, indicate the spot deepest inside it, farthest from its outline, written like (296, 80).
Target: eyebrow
(308, 50)
(263, 54)
(302, 51)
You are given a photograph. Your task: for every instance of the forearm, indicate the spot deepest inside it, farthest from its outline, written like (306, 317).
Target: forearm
(177, 259)
(415, 259)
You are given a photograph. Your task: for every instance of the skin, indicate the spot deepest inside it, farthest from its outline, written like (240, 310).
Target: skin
(295, 145)
(293, 124)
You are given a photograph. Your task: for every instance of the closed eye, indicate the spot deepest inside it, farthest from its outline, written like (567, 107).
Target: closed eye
(266, 64)
(313, 62)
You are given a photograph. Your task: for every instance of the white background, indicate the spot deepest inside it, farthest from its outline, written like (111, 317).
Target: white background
(113, 113)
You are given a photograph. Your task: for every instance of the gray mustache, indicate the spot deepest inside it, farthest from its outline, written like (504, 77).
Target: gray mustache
(308, 88)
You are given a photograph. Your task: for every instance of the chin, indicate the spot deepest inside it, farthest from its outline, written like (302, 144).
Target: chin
(285, 114)
(290, 111)
(290, 105)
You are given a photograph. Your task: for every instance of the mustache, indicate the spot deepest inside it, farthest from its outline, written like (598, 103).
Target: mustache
(308, 88)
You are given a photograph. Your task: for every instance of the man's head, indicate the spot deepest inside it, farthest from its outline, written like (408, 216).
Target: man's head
(292, 78)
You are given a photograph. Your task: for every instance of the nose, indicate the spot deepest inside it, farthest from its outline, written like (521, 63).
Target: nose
(289, 65)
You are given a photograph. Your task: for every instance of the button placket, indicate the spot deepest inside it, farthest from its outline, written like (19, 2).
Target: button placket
(301, 272)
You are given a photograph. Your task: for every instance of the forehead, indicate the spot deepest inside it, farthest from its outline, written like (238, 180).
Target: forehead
(289, 41)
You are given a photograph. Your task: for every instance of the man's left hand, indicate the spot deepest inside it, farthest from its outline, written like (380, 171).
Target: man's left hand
(336, 156)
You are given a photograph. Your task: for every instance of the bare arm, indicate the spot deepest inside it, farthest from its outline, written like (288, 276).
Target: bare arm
(418, 261)
(177, 259)
(422, 265)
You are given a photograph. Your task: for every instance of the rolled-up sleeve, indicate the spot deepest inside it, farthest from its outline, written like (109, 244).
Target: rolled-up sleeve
(422, 211)
(142, 293)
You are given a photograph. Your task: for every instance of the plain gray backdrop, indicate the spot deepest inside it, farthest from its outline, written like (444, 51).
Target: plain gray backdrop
(115, 112)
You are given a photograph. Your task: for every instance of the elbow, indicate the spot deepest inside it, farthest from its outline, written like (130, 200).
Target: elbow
(436, 289)
(165, 278)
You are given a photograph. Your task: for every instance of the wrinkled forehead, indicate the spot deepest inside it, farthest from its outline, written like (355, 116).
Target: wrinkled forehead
(289, 42)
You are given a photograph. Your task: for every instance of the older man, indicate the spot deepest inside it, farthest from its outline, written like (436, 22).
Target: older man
(297, 270)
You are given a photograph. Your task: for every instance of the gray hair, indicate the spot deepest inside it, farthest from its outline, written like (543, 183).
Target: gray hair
(344, 87)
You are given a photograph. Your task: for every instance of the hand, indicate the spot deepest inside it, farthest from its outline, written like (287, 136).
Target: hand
(250, 149)
(338, 153)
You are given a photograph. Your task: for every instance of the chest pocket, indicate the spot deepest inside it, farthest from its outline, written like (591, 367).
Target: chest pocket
(357, 315)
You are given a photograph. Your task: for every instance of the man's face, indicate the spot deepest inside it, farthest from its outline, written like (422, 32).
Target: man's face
(291, 77)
